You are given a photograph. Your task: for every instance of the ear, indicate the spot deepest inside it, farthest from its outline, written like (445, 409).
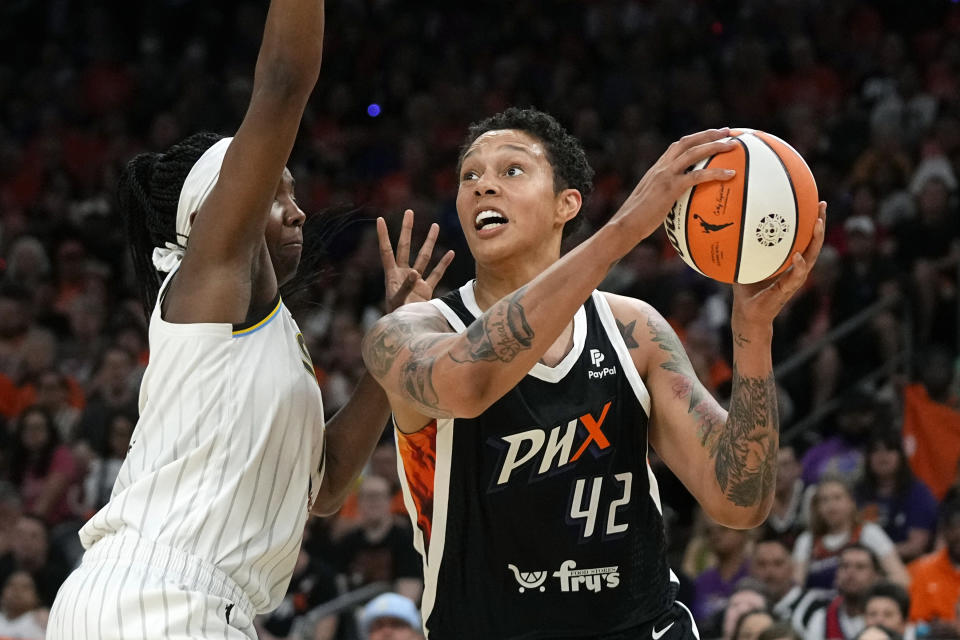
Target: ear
(569, 202)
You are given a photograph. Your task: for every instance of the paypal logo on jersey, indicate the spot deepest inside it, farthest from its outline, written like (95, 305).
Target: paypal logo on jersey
(597, 357)
(553, 448)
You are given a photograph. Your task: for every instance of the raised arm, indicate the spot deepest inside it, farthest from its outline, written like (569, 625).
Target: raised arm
(356, 428)
(726, 459)
(215, 280)
(429, 372)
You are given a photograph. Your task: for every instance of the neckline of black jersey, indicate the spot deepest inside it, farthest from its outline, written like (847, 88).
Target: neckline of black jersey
(269, 309)
(540, 370)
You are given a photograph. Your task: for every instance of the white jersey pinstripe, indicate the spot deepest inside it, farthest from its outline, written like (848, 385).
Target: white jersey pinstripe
(228, 454)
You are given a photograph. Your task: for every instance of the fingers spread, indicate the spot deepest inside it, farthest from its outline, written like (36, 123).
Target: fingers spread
(403, 244)
(434, 278)
(386, 249)
(423, 257)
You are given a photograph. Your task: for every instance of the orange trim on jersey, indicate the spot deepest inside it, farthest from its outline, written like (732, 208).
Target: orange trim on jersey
(419, 454)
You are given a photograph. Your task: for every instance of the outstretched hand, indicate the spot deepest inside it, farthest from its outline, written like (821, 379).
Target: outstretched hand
(760, 302)
(405, 284)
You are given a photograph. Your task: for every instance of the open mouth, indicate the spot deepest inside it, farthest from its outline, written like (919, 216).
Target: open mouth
(489, 219)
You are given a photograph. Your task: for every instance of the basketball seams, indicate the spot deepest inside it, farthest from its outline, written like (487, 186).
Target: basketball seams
(743, 206)
(796, 202)
(686, 218)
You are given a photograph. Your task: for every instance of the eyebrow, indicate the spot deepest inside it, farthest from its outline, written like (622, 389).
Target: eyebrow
(513, 147)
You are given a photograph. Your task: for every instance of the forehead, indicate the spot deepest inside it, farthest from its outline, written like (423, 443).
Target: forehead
(882, 602)
(855, 558)
(500, 140)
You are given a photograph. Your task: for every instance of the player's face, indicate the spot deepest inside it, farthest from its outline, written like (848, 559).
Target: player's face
(506, 199)
(885, 612)
(284, 233)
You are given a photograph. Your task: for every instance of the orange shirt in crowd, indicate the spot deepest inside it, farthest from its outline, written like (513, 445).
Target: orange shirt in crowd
(931, 433)
(934, 587)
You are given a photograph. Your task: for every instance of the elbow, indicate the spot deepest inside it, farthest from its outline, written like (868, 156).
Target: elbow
(284, 79)
(735, 517)
(327, 504)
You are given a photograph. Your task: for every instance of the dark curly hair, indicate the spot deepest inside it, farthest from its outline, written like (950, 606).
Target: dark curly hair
(566, 156)
(148, 194)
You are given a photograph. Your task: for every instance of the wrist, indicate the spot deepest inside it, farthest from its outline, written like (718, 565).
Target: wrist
(745, 332)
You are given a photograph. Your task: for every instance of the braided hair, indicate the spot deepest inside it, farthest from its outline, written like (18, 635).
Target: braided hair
(148, 195)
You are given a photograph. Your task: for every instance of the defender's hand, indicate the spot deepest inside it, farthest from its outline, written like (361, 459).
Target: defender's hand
(405, 284)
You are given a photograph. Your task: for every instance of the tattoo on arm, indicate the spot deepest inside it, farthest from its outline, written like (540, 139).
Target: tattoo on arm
(678, 363)
(743, 446)
(739, 340)
(384, 345)
(744, 450)
(499, 334)
(626, 330)
(416, 377)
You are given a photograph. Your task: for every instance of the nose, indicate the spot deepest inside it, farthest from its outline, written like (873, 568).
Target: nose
(295, 217)
(485, 186)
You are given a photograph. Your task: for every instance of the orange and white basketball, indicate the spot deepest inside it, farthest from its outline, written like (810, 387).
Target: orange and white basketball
(746, 229)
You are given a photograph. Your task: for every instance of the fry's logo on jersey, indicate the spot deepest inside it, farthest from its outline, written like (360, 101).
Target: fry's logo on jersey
(571, 578)
(553, 448)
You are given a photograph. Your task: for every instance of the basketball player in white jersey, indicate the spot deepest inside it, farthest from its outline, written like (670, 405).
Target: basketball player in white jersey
(204, 523)
(526, 400)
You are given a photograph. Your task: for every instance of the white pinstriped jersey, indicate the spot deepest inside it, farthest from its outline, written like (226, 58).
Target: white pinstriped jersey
(228, 454)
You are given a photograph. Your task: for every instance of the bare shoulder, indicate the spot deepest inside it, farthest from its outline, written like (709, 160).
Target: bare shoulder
(640, 325)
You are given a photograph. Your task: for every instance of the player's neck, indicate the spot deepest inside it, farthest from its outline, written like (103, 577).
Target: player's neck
(495, 282)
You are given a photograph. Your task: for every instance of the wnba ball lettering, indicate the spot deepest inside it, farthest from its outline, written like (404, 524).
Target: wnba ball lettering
(746, 229)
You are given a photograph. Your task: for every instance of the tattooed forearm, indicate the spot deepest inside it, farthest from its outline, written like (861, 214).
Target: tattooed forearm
(499, 334)
(745, 449)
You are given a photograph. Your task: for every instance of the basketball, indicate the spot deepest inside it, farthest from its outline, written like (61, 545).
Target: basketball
(746, 229)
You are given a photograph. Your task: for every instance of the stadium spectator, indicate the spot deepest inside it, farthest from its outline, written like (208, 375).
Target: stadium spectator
(713, 587)
(935, 579)
(834, 524)
(42, 467)
(20, 613)
(752, 623)
(748, 595)
(390, 616)
(888, 605)
(787, 517)
(842, 453)
(773, 565)
(31, 551)
(891, 496)
(381, 550)
(843, 618)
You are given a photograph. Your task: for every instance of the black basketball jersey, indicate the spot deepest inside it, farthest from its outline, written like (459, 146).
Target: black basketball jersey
(541, 517)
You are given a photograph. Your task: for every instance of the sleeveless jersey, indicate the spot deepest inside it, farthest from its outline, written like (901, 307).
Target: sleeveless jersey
(228, 454)
(541, 517)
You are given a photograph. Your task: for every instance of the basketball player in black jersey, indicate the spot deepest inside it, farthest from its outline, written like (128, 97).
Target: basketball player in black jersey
(525, 402)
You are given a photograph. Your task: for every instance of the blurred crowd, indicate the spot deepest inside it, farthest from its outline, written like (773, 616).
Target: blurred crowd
(867, 516)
